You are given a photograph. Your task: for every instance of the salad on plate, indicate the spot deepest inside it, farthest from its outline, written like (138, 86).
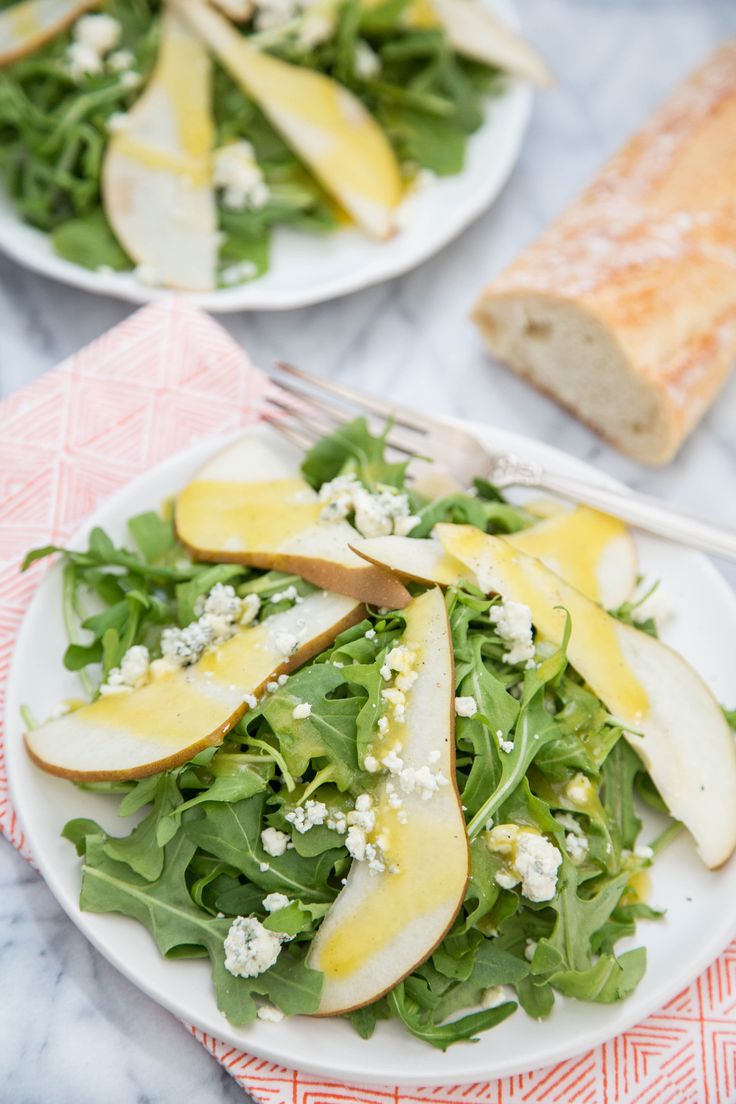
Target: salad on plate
(172, 138)
(385, 753)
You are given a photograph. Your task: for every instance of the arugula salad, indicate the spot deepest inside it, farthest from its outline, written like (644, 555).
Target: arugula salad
(70, 102)
(241, 852)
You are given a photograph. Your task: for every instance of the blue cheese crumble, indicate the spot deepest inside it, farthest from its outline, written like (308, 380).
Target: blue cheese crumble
(513, 622)
(577, 843)
(307, 816)
(220, 613)
(238, 175)
(466, 706)
(93, 38)
(132, 673)
(250, 949)
(274, 842)
(376, 514)
(530, 859)
(276, 901)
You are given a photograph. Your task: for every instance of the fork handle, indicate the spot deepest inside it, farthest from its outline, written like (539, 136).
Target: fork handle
(646, 513)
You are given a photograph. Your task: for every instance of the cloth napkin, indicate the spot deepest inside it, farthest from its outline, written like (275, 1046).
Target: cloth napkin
(164, 378)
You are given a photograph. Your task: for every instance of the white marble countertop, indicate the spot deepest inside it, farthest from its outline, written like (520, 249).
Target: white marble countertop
(71, 1028)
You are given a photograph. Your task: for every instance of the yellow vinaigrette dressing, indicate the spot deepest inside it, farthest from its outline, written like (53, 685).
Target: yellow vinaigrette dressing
(184, 701)
(638, 888)
(594, 649)
(340, 141)
(162, 711)
(572, 544)
(23, 20)
(182, 80)
(395, 899)
(245, 517)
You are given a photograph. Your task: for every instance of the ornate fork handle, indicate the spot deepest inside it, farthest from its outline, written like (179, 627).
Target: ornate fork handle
(636, 509)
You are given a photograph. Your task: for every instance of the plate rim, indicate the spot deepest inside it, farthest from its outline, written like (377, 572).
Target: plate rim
(516, 98)
(706, 952)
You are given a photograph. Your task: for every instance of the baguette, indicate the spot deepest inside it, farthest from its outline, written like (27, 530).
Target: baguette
(624, 310)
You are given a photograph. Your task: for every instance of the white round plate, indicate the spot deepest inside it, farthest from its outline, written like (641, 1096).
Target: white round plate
(309, 268)
(701, 904)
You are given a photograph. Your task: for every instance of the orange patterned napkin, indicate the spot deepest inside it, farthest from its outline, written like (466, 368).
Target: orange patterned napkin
(153, 385)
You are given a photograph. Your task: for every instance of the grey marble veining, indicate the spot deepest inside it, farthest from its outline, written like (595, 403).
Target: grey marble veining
(71, 1028)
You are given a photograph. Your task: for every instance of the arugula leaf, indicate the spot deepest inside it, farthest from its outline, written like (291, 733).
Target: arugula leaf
(465, 509)
(239, 900)
(352, 448)
(482, 887)
(619, 774)
(534, 728)
(165, 907)
(609, 979)
(180, 929)
(536, 997)
(77, 831)
(442, 1036)
(210, 879)
(328, 733)
(492, 966)
(141, 850)
(364, 1020)
(88, 240)
(153, 534)
(232, 832)
(497, 712)
(578, 919)
(226, 788)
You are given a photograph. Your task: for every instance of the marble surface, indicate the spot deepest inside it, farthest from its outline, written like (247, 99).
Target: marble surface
(71, 1028)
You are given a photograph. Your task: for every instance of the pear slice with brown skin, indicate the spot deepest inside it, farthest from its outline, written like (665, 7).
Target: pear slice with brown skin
(327, 127)
(477, 32)
(593, 552)
(157, 184)
(170, 719)
(251, 505)
(237, 10)
(382, 925)
(26, 26)
(669, 715)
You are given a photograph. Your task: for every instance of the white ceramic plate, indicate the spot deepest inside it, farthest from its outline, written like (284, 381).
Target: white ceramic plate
(701, 905)
(311, 269)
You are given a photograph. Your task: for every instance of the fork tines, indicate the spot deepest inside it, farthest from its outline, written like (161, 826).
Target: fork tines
(308, 408)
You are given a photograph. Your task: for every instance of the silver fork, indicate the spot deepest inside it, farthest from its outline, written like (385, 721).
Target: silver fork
(308, 407)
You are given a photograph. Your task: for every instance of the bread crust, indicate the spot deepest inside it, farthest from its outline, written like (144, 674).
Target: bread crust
(649, 251)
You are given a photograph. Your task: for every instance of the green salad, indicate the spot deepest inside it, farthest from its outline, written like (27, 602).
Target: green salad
(59, 107)
(245, 846)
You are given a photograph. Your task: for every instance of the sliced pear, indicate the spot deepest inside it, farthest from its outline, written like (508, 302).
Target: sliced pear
(421, 560)
(324, 123)
(26, 26)
(170, 719)
(382, 925)
(593, 552)
(239, 10)
(476, 32)
(157, 184)
(672, 720)
(251, 505)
